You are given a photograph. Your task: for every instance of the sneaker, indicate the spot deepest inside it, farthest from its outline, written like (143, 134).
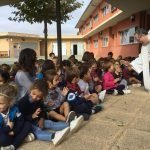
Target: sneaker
(75, 124)
(71, 117)
(126, 91)
(30, 138)
(60, 135)
(97, 109)
(11, 147)
(101, 95)
(134, 85)
(138, 85)
(115, 92)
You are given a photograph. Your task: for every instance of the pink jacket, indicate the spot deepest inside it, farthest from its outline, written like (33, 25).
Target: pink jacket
(108, 81)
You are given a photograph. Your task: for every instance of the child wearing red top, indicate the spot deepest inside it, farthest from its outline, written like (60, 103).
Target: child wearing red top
(109, 83)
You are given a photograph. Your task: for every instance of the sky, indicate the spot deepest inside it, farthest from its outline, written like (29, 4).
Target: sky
(67, 29)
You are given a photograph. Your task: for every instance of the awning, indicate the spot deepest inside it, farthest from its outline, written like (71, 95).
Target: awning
(131, 6)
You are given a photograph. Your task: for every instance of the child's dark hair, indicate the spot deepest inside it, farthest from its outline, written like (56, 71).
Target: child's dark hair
(48, 65)
(27, 59)
(5, 75)
(84, 68)
(72, 73)
(41, 85)
(8, 91)
(107, 65)
(49, 75)
(66, 63)
(5, 67)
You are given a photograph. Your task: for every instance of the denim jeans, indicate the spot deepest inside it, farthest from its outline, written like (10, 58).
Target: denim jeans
(48, 124)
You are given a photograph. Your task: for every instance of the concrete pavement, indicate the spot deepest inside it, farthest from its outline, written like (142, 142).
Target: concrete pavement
(123, 125)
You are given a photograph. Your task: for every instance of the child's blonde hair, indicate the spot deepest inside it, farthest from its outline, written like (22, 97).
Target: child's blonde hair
(9, 92)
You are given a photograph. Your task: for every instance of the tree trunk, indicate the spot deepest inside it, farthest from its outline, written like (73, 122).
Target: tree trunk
(59, 41)
(45, 39)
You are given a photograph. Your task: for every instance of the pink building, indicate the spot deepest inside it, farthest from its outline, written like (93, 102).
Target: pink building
(106, 28)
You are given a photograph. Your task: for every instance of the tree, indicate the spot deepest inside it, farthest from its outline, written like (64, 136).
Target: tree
(43, 11)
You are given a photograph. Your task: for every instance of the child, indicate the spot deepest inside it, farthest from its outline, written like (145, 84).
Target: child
(78, 104)
(127, 74)
(109, 83)
(56, 105)
(4, 77)
(31, 106)
(118, 74)
(13, 128)
(85, 77)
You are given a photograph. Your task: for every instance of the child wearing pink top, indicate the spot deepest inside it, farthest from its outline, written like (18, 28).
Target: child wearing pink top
(110, 84)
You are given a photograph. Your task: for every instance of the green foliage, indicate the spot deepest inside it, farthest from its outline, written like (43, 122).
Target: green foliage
(36, 11)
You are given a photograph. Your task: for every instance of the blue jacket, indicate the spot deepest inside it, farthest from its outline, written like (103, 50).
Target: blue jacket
(16, 117)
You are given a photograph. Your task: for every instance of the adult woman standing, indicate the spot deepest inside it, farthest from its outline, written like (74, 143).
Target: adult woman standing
(26, 75)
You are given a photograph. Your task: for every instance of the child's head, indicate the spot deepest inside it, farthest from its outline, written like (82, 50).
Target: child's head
(108, 66)
(48, 65)
(52, 78)
(38, 90)
(4, 77)
(85, 72)
(66, 64)
(5, 67)
(93, 65)
(72, 75)
(7, 95)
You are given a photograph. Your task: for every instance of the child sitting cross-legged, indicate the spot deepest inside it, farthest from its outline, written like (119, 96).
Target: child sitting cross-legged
(110, 84)
(32, 108)
(75, 97)
(14, 130)
(57, 106)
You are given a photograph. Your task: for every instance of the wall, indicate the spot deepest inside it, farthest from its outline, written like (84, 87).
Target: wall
(4, 46)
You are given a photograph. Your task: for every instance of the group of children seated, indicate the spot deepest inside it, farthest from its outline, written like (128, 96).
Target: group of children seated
(41, 95)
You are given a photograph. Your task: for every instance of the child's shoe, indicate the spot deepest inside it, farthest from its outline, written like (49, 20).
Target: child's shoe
(115, 92)
(75, 124)
(71, 117)
(97, 108)
(60, 135)
(138, 85)
(11, 147)
(101, 95)
(127, 91)
(30, 138)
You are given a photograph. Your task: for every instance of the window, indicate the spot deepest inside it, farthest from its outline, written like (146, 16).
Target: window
(89, 24)
(95, 43)
(105, 10)
(95, 18)
(3, 54)
(127, 36)
(113, 9)
(88, 44)
(55, 49)
(105, 42)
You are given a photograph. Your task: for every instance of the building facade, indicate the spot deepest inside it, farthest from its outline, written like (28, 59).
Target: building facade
(105, 28)
(12, 43)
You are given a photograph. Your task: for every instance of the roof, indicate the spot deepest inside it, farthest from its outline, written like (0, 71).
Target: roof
(88, 11)
(24, 35)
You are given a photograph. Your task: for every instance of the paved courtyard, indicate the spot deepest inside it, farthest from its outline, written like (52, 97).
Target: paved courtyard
(123, 125)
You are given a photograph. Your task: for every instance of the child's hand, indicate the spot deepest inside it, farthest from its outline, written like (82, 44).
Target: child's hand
(10, 124)
(36, 113)
(96, 79)
(117, 79)
(11, 133)
(65, 91)
(41, 123)
(50, 103)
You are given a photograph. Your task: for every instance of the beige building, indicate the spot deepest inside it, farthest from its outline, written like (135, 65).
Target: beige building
(12, 43)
